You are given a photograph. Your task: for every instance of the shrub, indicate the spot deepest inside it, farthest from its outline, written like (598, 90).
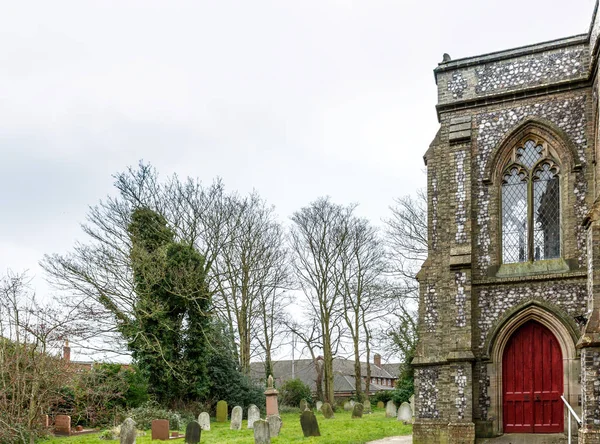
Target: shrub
(382, 395)
(293, 391)
(288, 409)
(144, 415)
(110, 434)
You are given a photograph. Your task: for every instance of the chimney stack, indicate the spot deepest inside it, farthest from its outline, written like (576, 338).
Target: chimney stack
(67, 351)
(377, 359)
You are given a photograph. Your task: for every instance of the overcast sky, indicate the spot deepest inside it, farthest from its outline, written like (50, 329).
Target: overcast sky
(296, 99)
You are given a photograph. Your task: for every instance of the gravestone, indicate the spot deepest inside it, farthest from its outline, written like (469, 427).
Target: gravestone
(160, 429)
(192, 433)
(319, 405)
(357, 410)
(380, 405)
(347, 406)
(45, 421)
(327, 411)
(412, 404)
(253, 415)
(405, 413)
(309, 424)
(271, 398)
(352, 402)
(262, 432)
(62, 425)
(275, 424)
(128, 432)
(367, 407)
(204, 421)
(303, 405)
(222, 411)
(236, 418)
(390, 409)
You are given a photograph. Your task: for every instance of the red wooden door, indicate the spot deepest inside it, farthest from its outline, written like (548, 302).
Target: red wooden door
(532, 379)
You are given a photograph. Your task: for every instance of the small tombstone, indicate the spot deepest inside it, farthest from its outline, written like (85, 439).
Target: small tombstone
(236, 418)
(253, 415)
(347, 406)
(412, 404)
(275, 424)
(128, 432)
(319, 405)
(309, 424)
(222, 411)
(327, 411)
(380, 405)
(192, 433)
(204, 421)
(303, 405)
(262, 432)
(352, 402)
(357, 410)
(62, 425)
(390, 409)
(405, 413)
(79, 428)
(160, 429)
(367, 407)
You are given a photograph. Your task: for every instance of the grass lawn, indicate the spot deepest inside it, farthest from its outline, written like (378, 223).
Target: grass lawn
(340, 430)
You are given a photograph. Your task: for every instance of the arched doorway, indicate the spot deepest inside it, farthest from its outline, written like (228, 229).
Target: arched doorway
(532, 381)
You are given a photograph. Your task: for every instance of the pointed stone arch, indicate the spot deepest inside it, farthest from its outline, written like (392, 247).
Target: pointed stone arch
(566, 152)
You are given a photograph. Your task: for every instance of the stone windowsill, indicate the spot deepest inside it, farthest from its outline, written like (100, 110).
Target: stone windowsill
(533, 268)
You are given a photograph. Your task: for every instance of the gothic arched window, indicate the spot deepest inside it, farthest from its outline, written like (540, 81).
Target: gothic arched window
(530, 205)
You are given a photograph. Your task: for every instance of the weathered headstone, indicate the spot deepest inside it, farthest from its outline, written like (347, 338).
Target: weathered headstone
(390, 409)
(253, 415)
(405, 413)
(204, 421)
(128, 432)
(352, 402)
(319, 405)
(271, 398)
(222, 411)
(327, 411)
(367, 407)
(236, 418)
(303, 405)
(262, 433)
(347, 406)
(412, 405)
(357, 410)
(192, 433)
(380, 405)
(275, 424)
(309, 424)
(62, 425)
(160, 429)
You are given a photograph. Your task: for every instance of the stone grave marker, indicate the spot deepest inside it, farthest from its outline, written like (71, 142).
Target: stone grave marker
(411, 400)
(160, 429)
(327, 411)
(309, 424)
(390, 409)
(253, 415)
(271, 398)
(236, 418)
(193, 433)
(303, 405)
(62, 425)
(380, 405)
(222, 411)
(357, 410)
(262, 432)
(128, 432)
(405, 413)
(204, 421)
(367, 407)
(319, 405)
(352, 402)
(275, 424)
(45, 421)
(347, 406)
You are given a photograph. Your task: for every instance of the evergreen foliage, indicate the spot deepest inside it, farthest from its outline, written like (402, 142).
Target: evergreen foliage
(293, 391)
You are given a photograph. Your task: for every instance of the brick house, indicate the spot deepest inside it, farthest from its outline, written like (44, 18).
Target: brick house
(509, 316)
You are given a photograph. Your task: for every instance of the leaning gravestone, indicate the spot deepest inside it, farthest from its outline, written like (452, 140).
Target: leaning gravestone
(303, 405)
(128, 432)
(390, 409)
(380, 405)
(253, 415)
(62, 425)
(405, 413)
(275, 424)
(367, 407)
(347, 406)
(236, 418)
(192, 433)
(319, 405)
(204, 421)
(309, 424)
(327, 411)
(262, 433)
(160, 429)
(222, 411)
(357, 410)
